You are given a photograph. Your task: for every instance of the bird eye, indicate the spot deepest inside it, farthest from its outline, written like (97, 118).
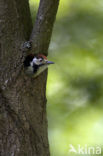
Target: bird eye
(40, 60)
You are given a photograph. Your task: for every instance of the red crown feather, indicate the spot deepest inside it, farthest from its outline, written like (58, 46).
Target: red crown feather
(43, 56)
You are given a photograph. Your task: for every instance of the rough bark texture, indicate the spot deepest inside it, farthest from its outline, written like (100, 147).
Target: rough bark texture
(43, 26)
(23, 123)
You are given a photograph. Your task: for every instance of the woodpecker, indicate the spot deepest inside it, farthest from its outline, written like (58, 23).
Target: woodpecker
(35, 64)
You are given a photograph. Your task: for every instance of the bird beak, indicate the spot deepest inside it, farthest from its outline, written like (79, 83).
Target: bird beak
(50, 62)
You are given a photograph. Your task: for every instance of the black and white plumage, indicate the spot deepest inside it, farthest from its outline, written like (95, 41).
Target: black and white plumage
(35, 64)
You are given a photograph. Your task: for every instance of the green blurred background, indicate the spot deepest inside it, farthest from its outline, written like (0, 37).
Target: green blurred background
(75, 82)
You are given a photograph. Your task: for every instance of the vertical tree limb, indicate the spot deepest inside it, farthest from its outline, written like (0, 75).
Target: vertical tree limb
(42, 30)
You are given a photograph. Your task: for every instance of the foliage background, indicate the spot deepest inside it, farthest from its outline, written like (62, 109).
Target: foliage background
(75, 82)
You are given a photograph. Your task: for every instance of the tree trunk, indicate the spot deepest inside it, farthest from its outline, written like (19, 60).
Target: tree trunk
(23, 122)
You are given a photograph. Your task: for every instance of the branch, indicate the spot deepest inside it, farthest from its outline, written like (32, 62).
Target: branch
(42, 30)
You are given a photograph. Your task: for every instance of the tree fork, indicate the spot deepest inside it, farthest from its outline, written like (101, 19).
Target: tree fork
(23, 122)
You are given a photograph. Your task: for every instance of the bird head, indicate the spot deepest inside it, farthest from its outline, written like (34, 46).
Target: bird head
(35, 64)
(40, 60)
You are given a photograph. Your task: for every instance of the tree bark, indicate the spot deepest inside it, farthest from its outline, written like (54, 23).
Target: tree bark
(23, 121)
